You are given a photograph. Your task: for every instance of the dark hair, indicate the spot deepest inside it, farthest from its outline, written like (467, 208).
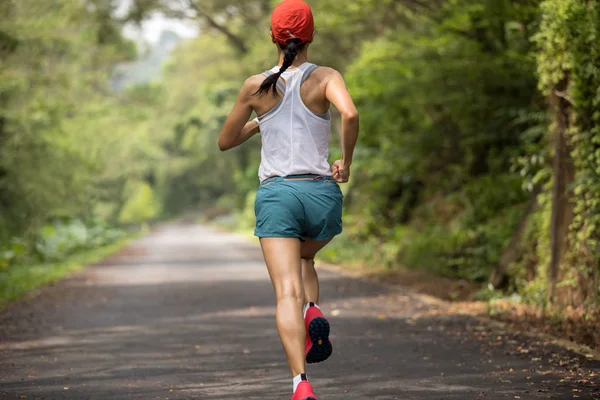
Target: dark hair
(291, 50)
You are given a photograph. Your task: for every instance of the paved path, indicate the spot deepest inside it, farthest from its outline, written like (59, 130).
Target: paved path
(188, 313)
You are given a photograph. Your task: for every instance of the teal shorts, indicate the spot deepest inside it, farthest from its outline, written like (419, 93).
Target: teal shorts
(298, 206)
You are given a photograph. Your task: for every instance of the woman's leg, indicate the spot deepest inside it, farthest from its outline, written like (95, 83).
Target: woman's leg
(282, 256)
(309, 275)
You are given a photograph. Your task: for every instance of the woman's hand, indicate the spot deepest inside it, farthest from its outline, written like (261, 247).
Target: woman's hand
(340, 173)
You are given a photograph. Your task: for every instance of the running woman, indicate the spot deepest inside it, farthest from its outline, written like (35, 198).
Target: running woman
(298, 203)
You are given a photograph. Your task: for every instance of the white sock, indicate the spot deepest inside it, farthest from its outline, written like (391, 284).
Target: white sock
(307, 306)
(297, 379)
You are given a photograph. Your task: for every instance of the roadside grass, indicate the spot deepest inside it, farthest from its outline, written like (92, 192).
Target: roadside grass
(19, 280)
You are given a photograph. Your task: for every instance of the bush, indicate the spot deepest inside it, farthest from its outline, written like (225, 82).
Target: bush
(15, 252)
(58, 240)
(141, 205)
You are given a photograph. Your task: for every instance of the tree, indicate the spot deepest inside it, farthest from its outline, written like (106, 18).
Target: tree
(569, 68)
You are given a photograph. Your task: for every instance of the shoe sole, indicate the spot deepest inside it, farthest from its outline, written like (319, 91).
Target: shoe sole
(309, 398)
(321, 349)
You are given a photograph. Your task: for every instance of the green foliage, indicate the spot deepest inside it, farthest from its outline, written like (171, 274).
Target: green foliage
(568, 40)
(246, 219)
(454, 129)
(141, 204)
(459, 250)
(22, 278)
(58, 240)
(58, 127)
(15, 251)
(585, 135)
(444, 101)
(68, 145)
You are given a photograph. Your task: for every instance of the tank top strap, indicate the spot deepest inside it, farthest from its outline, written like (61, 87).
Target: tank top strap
(307, 69)
(280, 85)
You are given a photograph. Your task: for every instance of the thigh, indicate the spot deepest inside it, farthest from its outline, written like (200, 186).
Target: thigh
(310, 248)
(282, 256)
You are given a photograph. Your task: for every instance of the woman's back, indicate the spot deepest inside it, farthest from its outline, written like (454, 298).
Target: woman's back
(312, 91)
(295, 136)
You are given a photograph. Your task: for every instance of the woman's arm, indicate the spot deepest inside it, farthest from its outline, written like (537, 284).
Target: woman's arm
(237, 129)
(250, 129)
(337, 94)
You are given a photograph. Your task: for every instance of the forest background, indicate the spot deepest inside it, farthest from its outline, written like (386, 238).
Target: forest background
(478, 159)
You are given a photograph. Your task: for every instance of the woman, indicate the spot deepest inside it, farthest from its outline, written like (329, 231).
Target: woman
(298, 204)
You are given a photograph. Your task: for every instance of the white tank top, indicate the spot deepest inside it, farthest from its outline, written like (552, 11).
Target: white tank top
(295, 140)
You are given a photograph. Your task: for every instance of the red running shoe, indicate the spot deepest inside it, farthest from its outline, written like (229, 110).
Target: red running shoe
(304, 392)
(318, 346)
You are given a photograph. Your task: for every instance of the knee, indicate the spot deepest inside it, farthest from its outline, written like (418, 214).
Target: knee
(308, 267)
(308, 262)
(291, 292)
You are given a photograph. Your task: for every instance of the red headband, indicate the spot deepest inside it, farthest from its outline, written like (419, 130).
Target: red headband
(292, 19)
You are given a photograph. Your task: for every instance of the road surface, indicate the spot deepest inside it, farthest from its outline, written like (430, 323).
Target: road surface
(187, 312)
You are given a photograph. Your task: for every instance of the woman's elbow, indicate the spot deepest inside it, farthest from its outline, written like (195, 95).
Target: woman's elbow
(350, 116)
(223, 146)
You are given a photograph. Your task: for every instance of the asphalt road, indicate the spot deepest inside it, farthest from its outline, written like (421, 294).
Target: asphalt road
(188, 313)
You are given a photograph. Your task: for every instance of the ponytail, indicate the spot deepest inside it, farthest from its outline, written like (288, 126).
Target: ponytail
(290, 50)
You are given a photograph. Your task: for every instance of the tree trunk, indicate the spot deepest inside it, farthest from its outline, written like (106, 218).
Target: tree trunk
(564, 175)
(512, 252)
